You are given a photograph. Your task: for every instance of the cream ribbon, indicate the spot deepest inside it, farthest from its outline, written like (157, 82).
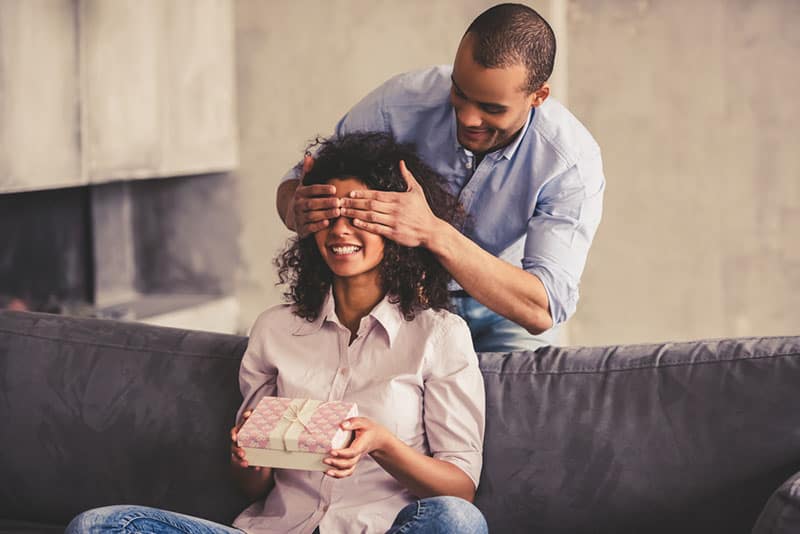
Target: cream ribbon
(294, 420)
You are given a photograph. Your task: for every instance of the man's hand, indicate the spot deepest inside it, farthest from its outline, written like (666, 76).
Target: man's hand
(404, 218)
(311, 207)
(370, 436)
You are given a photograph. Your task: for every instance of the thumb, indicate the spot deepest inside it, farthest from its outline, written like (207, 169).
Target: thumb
(308, 164)
(354, 423)
(410, 180)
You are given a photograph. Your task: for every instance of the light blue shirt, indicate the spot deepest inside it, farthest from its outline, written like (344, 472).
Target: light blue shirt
(535, 203)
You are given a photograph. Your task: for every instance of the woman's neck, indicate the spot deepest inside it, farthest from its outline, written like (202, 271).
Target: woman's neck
(354, 298)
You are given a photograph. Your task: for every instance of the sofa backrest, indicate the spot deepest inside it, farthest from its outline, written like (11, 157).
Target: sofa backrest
(98, 412)
(677, 437)
(673, 437)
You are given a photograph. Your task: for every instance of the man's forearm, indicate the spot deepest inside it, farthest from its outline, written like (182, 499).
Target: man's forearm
(283, 200)
(503, 288)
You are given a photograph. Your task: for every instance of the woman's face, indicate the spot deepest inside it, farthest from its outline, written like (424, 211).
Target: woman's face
(349, 251)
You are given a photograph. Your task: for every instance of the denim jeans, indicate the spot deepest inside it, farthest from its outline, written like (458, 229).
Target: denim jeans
(494, 333)
(434, 515)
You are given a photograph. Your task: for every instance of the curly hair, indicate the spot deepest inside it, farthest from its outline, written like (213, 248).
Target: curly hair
(411, 276)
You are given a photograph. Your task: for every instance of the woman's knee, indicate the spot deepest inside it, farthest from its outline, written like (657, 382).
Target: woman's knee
(458, 512)
(96, 520)
(441, 514)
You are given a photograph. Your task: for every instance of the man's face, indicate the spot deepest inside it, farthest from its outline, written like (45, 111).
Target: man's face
(491, 105)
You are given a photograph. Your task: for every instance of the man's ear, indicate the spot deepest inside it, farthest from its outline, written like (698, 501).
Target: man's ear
(540, 95)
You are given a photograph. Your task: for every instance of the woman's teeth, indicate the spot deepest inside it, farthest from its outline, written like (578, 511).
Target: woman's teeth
(350, 249)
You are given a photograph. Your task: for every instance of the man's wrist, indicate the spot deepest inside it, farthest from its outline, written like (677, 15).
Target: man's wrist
(438, 238)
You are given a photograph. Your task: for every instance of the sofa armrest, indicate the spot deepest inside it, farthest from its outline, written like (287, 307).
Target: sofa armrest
(781, 514)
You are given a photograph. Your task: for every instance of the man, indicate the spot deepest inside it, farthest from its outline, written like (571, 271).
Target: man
(527, 172)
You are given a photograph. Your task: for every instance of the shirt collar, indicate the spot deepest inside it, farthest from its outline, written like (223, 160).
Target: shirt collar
(387, 315)
(508, 152)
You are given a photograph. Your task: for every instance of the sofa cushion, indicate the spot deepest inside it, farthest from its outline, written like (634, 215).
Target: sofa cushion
(674, 437)
(27, 527)
(98, 412)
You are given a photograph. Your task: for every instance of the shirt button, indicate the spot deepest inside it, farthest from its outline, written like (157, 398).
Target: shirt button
(468, 164)
(325, 508)
(343, 371)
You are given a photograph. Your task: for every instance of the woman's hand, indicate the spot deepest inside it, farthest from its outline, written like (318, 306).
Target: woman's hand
(369, 437)
(237, 453)
(254, 481)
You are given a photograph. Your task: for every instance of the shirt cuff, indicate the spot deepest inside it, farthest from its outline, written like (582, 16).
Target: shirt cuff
(469, 462)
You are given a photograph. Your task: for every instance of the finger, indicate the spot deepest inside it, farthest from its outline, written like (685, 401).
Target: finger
(318, 203)
(245, 415)
(312, 228)
(238, 457)
(370, 216)
(242, 420)
(355, 423)
(340, 473)
(383, 196)
(308, 163)
(368, 204)
(379, 229)
(341, 463)
(316, 190)
(353, 451)
(320, 215)
(410, 180)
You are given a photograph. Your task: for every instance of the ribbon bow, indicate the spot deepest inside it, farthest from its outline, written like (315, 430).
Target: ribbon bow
(292, 414)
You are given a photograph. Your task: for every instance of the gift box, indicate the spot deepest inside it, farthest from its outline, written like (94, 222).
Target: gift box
(295, 433)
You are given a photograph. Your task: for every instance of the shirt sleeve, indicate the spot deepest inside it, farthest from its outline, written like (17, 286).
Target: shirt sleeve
(455, 400)
(257, 377)
(561, 231)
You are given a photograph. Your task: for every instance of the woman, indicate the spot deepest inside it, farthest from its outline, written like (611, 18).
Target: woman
(367, 323)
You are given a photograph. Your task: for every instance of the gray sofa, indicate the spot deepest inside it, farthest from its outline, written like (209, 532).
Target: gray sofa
(675, 437)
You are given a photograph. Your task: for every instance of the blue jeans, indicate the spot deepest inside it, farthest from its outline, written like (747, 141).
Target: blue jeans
(434, 515)
(494, 333)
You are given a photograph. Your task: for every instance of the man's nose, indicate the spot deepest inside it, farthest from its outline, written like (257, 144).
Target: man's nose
(469, 116)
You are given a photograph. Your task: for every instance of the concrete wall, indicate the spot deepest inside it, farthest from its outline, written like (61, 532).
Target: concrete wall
(693, 103)
(695, 106)
(39, 112)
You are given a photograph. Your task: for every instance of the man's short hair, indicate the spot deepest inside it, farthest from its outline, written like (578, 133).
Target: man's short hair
(513, 34)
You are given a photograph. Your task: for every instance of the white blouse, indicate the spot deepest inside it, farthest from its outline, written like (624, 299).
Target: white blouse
(419, 379)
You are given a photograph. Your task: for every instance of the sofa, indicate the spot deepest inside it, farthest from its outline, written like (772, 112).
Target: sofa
(672, 437)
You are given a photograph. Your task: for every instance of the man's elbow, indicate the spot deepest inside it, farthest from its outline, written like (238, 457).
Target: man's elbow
(539, 321)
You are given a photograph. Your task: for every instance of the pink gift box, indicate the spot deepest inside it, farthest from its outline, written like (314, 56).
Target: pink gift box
(295, 433)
